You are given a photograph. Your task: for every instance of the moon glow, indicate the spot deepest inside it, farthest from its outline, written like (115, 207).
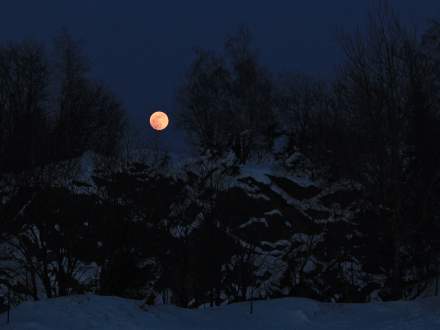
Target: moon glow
(159, 120)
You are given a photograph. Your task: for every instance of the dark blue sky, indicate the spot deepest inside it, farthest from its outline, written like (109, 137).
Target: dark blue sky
(141, 49)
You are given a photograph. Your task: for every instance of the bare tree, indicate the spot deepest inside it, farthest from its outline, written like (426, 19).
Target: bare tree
(388, 90)
(226, 101)
(88, 115)
(23, 94)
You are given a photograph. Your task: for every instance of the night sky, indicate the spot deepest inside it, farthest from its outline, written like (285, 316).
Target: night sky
(141, 49)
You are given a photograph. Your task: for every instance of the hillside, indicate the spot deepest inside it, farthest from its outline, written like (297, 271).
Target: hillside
(262, 230)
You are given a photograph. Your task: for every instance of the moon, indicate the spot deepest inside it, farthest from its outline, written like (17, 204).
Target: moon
(159, 120)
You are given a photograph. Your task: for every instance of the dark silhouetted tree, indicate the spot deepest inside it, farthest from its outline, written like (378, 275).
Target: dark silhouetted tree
(227, 102)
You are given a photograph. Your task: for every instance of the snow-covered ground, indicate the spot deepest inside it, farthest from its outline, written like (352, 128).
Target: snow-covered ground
(109, 313)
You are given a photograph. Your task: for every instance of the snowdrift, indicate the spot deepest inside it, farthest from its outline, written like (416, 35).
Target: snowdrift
(97, 312)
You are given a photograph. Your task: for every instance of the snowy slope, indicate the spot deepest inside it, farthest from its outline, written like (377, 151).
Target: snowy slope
(94, 312)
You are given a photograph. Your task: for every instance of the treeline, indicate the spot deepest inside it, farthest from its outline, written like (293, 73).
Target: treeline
(206, 233)
(187, 237)
(377, 123)
(136, 232)
(50, 108)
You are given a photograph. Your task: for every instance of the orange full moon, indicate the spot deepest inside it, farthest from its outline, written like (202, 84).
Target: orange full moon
(159, 120)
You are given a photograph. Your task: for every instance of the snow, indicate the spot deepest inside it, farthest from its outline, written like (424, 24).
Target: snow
(98, 312)
(255, 220)
(256, 171)
(274, 212)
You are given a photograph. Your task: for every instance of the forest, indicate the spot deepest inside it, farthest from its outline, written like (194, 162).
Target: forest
(298, 187)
